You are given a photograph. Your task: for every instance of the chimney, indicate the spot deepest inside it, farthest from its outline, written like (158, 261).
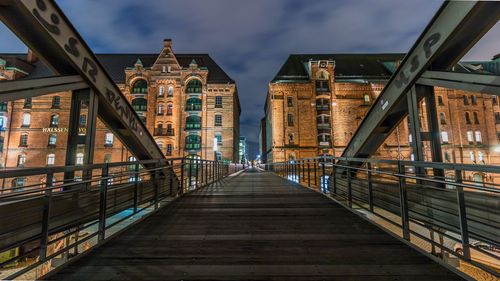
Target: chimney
(31, 57)
(167, 43)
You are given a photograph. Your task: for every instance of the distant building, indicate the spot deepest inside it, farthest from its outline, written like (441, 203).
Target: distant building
(243, 150)
(316, 102)
(187, 102)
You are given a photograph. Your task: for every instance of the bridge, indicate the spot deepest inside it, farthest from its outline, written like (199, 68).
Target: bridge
(337, 218)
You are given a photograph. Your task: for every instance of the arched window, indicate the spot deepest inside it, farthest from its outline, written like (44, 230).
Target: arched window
(140, 87)
(140, 104)
(467, 117)
(194, 87)
(442, 118)
(54, 120)
(478, 179)
(26, 121)
(51, 159)
(476, 119)
(160, 109)
(322, 75)
(193, 122)
(366, 98)
(52, 139)
(170, 109)
(161, 91)
(170, 91)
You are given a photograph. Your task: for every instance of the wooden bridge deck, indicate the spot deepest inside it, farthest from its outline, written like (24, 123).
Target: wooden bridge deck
(254, 226)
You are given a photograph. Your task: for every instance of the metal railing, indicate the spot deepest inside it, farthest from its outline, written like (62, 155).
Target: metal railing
(412, 200)
(50, 220)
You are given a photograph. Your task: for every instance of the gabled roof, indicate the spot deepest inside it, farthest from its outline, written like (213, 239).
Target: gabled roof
(115, 65)
(369, 66)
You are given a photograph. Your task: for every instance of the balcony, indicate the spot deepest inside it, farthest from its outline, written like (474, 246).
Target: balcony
(323, 107)
(324, 125)
(193, 142)
(193, 104)
(324, 143)
(193, 122)
(163, 132)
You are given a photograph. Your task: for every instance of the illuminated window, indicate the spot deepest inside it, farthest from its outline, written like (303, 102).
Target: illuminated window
(170, 91)
(366, 98)
(444, 137)
(21, 160)
(79, 159)
(26, 120)
(52, 139)
(169, 149)
(478, 137)
(480, 157)
(470, 137)
(109, 139)
(161, 91)
(51, 159)
(219, 139)
(169, 109)
(54, 120)
(107, 158)
(472, 157)
(160, 109)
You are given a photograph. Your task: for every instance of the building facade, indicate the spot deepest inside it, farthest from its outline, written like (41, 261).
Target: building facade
(316, 102)
(188, 103)
(243, 154)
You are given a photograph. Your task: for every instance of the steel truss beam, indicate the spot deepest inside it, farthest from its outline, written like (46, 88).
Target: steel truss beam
(456, 27)
(29, 88)
(481, 83)
(44, 28)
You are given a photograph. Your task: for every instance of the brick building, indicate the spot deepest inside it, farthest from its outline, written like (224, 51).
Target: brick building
(316, 102)
(188, 103)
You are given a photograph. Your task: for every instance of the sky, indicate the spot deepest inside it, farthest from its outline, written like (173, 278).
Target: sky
(250, 40)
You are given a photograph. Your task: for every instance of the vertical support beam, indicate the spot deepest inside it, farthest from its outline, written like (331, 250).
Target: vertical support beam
(47, 198)
(435, 139)
(462, 214)
(88, 157)
(349, 186)
(403, 203)
(190, 172)
(182, 176)
(308, 173)
(136, 187)
(413, 116)
(103, 197)
(370, 185)
(72, 142)
(315, 163)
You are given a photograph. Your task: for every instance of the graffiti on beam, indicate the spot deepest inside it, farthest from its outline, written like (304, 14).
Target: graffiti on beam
(403, 78)
(49, 18)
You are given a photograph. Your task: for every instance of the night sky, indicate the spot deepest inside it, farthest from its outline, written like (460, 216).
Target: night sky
(252, 39)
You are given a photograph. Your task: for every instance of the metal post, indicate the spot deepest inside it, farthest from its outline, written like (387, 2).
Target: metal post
(197, 172)
(202, 173)
(370, 185)
(349, 187)
(315, 163)
(170, 175)
(462, 214)
(157, 185)
(182, 175)
(190, 172)
(323, 174)
(103, 197)
(136, 187)
(435, 137)
(44, 235)
(206, 171)
(213, 170)
(403, 201)
(308, 173)
(90, 132)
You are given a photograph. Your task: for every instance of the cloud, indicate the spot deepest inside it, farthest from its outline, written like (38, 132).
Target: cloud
(252, 39)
